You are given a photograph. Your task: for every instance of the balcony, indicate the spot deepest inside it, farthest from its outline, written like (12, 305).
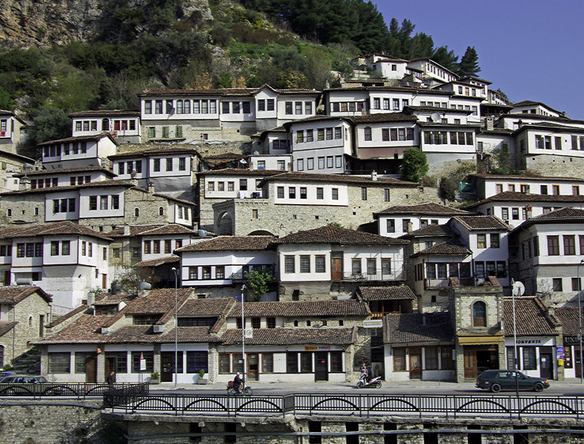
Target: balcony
(378, 276)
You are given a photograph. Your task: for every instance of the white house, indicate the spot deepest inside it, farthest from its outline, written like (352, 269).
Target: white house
(12, 131)
(124, 125)
(78, 151)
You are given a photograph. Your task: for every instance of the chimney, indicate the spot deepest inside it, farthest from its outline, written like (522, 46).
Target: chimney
(151, 187)
(126, 230)
(374, 176)
(24, 184)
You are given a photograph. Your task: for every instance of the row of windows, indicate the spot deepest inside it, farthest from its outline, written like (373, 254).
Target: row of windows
(303, 193)
(105, 202)
(543, 189)
(178, 132)
(442, 270)
(386, 103)
(154, 247)
(441, 138)
(54, 182)
(307, 265)
(297, 107)
(321, 134)
(435, 358)
(68, 148)
(64, 205)
(230, 185)
(347, 107)
(530, 248)
(128, 167)
(391, 134)
(331, 162)
(482, 240)
(182, 106)
(61, 362)
(119, 125)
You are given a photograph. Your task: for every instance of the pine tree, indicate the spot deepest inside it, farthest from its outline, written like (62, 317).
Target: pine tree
(469, 65)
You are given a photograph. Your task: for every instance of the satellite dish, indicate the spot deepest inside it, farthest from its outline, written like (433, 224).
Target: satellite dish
(202, 233)
(436, 117)
(518, 288)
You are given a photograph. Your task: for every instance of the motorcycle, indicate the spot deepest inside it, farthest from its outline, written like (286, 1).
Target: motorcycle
(364, 381)
(231, 390)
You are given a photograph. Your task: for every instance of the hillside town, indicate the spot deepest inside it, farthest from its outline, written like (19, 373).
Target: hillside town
(143, 236)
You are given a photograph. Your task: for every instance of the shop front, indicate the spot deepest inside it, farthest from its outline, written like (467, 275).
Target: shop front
(537, 355)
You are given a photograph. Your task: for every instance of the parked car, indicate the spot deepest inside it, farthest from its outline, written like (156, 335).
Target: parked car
(27, 385)
(497, 380)
(6, 373)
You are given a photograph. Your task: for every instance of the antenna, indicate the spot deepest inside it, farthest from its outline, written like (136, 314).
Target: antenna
(435, 117)
(518, 288)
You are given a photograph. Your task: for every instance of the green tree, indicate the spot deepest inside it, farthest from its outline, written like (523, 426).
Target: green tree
(469, 65)
(259, 282)
(47, 124)
(5, 100)
(446, 58)
(414, 165)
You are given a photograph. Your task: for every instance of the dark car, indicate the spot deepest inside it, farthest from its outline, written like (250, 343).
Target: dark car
(497, 380)
(27, 385)
(6, 373)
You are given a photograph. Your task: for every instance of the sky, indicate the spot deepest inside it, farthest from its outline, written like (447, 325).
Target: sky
(531, 50)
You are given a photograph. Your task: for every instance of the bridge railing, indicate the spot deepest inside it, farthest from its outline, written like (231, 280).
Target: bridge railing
(79, 390)
(450, 406)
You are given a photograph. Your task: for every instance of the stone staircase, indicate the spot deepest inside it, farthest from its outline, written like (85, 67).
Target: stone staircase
(28, 363)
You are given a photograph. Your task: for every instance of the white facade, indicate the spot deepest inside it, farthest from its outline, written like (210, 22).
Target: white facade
(78, 151)
(124, 125)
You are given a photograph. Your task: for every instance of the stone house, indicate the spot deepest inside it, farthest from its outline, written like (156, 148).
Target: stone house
(11, 166)
(64, 258)
(569, 344)
(12, 131)
(124, 125)
(331, 260)
(32, 179)
(546, 255)
(24, 311)
(290, 200)
(536, 333)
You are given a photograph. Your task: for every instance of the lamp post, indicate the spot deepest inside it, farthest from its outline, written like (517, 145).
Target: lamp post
(580, 320)
(175, 326)
(243, 334)
(516, 358)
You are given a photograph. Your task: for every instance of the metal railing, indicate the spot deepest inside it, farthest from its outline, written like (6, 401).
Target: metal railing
(80, 390)
(418, 406)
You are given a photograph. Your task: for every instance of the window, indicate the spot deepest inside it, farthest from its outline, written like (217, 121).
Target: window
(54, 248)
(168, 164)
(481, 241)
(575, 190)
(576, 284)
(65, 248)
(391, 225)
(304, 264)
(303, 192)
(319, 264)
(479, 314)
(193, 273)
(288, 108)
(292, 362)
(59, 363)
(157, 165)
(363, 193)
(386, 266)
(569, 245)
(292, 192)
(553, 246)
(529, 362)
(148, 357)
(335, 194)
(495, 240)
(367, 133)
(515, 213)
(289, 264)
(557, 284)
(243, 184)
(356, 266)
(280, 192)
(196, 361)
(371, 266)
(399, 359)
(431, 356)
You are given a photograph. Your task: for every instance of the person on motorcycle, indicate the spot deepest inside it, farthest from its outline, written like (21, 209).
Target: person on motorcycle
(364, 372)
(237, 382)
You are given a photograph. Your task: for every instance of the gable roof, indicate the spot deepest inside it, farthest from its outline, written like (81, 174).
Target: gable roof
(386, 293)
(331, 234)
(514, 196)
(562, 213)
(450, 247)
(481, 223)
(430, 230)
(51, 229)
(570, 319)
(206, 307)
(231, 243)
(414, 328)
(428, 208)
(287, 309)
(531, 317)
(12, 295)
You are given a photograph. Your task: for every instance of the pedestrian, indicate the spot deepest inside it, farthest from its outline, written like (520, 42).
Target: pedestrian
(111, 379)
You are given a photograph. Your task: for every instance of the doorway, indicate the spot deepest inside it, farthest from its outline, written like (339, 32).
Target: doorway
(252, 366)
(321, 366)
(478, 359)
(336, 266)
(546, 363)
(415, 363)
(166, 366)
(91, 368)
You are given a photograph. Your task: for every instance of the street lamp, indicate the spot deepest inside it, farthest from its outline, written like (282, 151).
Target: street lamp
(243, 334)
(175, 326)
(580, 320)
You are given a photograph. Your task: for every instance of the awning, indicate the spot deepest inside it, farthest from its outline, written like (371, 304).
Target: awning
(480, 340)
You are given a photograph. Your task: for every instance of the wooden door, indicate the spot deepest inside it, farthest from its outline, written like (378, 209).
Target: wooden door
(91, 368)
(253, 367)
(321, 366)
(336, 268)
(415, 363)
(167, 366)
(470, 363)
(546, 366)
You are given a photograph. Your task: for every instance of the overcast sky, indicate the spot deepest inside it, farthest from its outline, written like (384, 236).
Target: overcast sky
(531, 50)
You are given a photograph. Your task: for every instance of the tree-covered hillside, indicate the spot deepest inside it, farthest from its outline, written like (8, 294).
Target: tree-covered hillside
(139, 44)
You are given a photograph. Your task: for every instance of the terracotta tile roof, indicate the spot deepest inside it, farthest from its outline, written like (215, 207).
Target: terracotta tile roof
(415, 328)
(514, 196)
(431, 230)
(383, 117)
(235, 172)
(158, 151)
(289, 309)
(6, 327)
(293, 336)
(387, 293)
(105, 113)
(331, 234)
(481, 223)
(14, 294)
(451, 247)
(151, 230)
(158, 301)
(428, 208)
(562, 213)
(570, 320)
(56, 171)
(526, 178)
(206, 307)
(68, 316)
(95, 137)
(86, 329)
(338, 178)
(51, 229)
(530, 316)
(231, 243)
(223, 91)
(159, 261)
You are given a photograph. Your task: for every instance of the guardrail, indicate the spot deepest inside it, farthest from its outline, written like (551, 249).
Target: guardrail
(449, 406)
(80, 390)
